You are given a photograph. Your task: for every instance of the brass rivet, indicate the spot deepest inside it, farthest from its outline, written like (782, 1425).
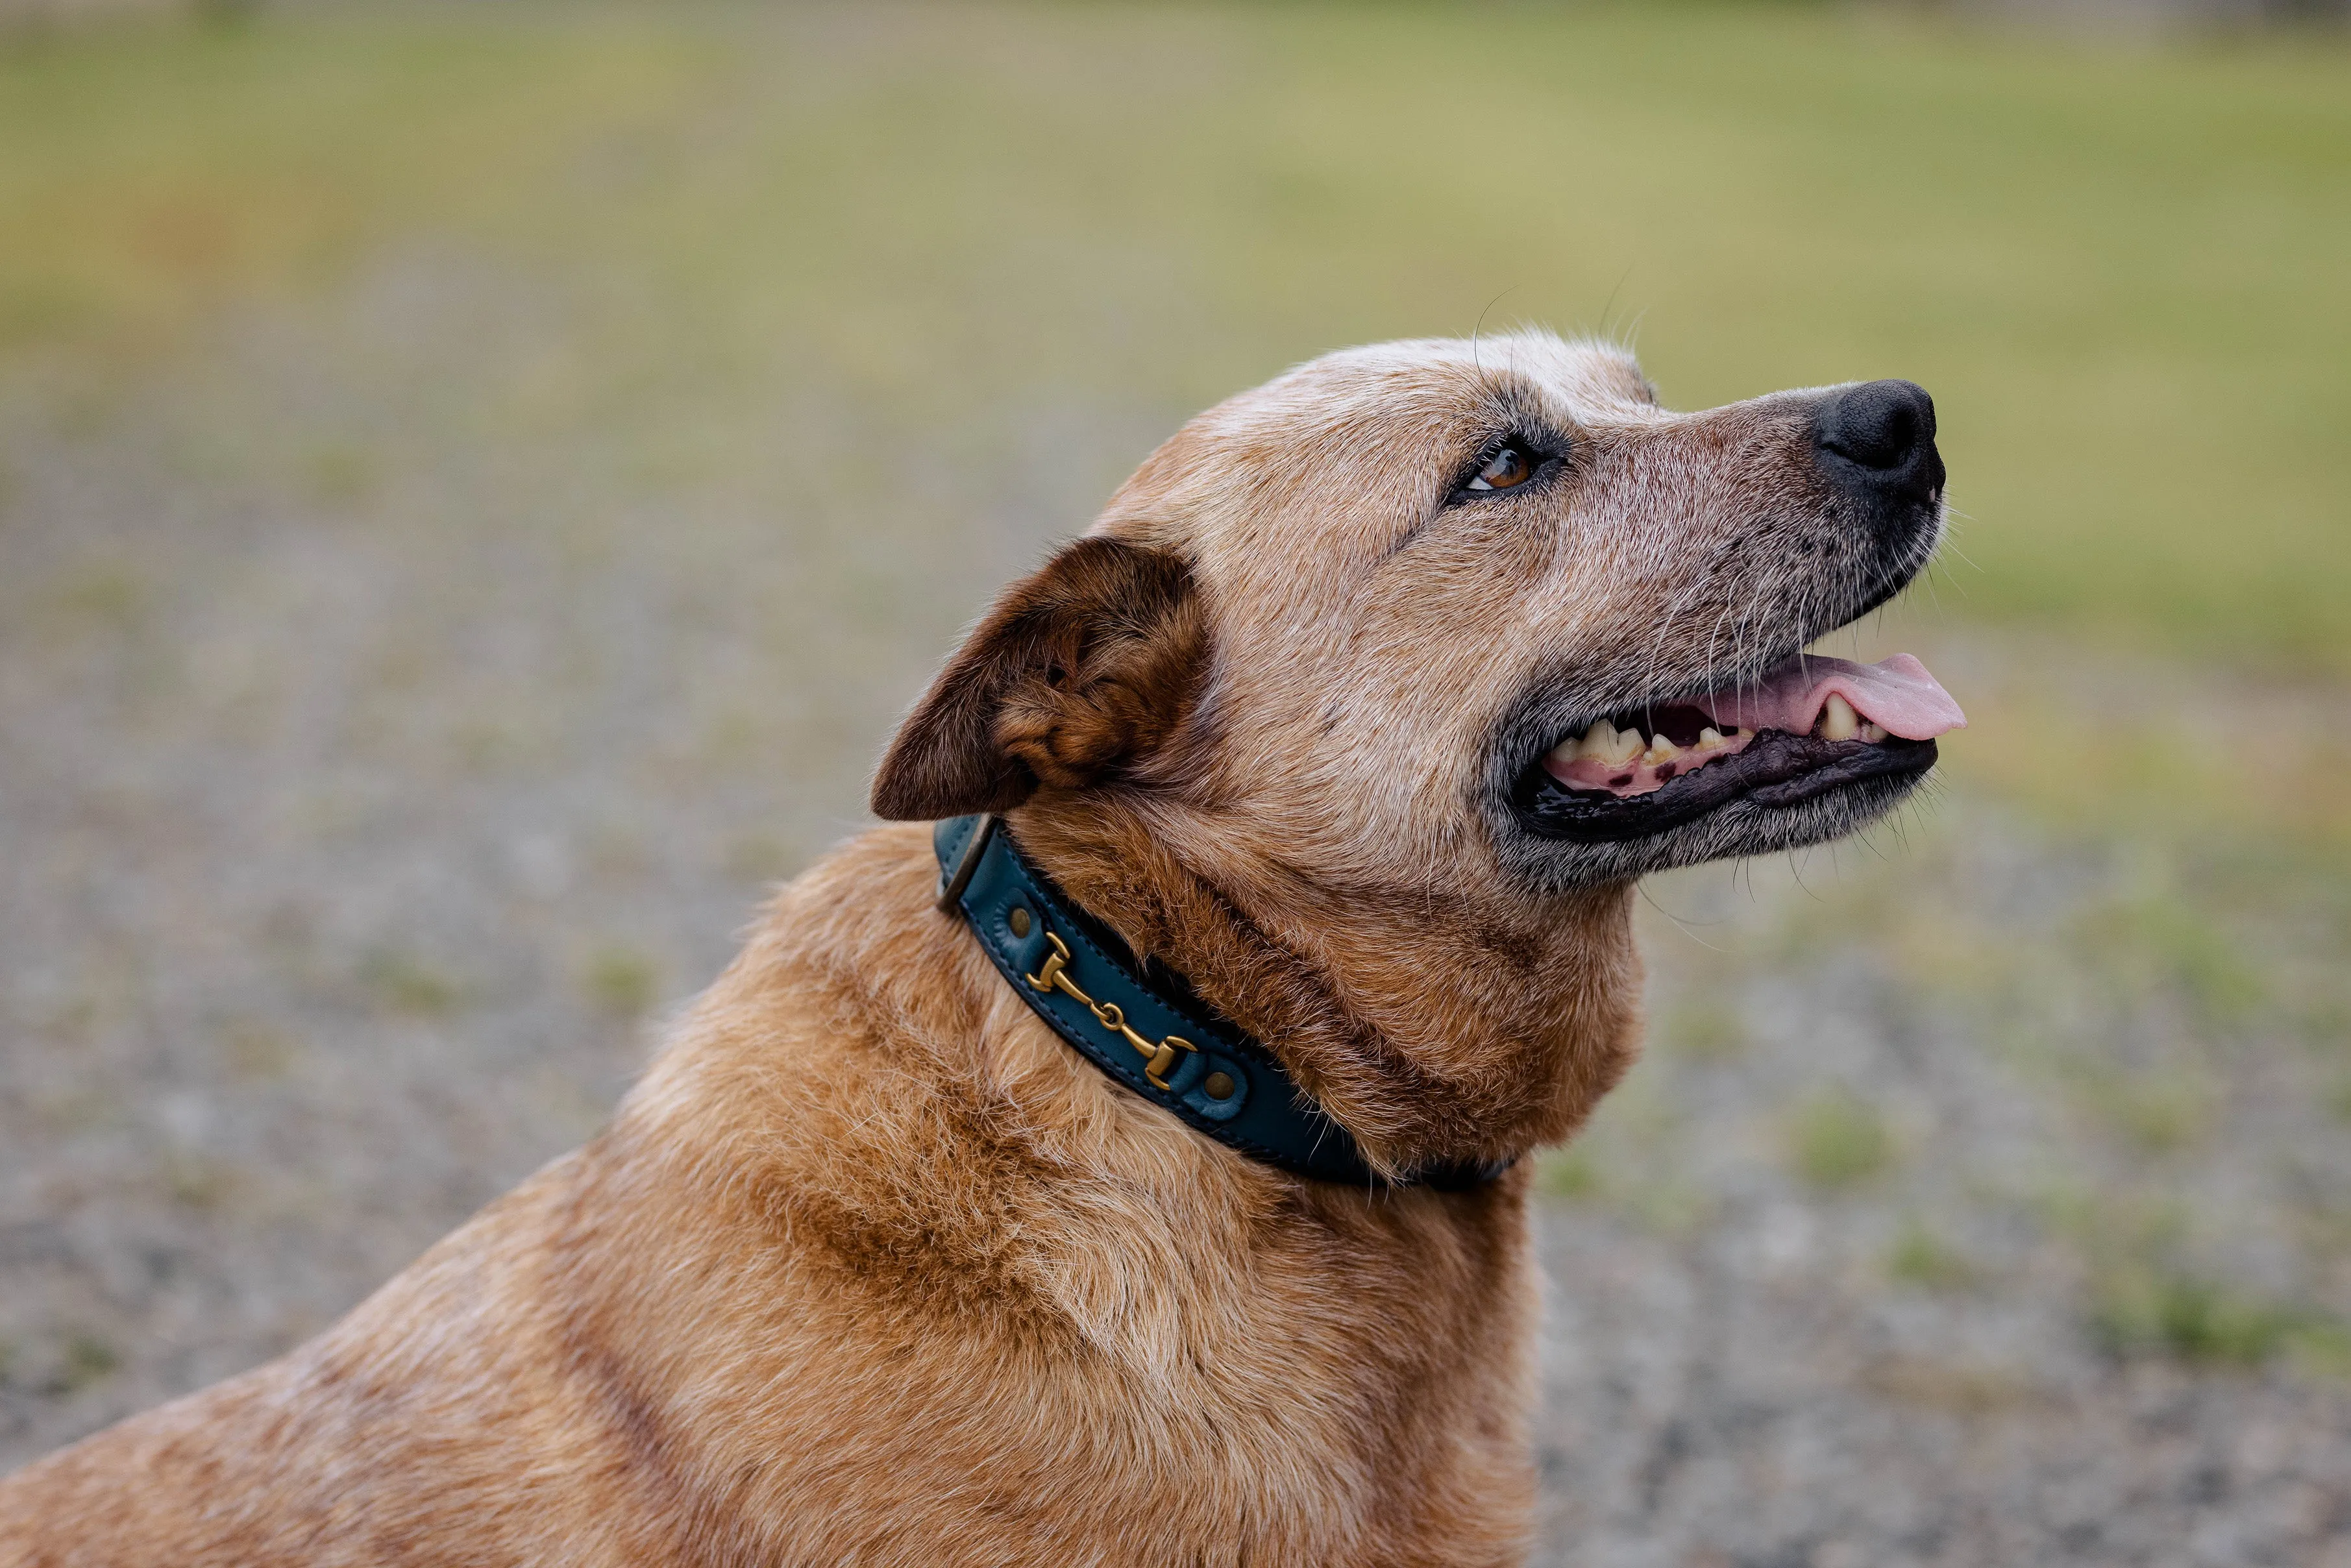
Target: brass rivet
(1219, 1085)
(1020, 921)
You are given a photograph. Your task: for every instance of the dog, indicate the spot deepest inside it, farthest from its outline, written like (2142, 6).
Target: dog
(1313, 781)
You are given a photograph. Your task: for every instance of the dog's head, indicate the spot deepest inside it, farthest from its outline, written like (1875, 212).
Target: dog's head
(1460, 608)
(1374, 689)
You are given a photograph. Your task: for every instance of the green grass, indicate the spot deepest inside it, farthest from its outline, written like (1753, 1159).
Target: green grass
(408, 985)
(88, 1359)
(1919, 1257)
(2119, 269)
(622, 981)
(2198, 1321)
(1836, 1140)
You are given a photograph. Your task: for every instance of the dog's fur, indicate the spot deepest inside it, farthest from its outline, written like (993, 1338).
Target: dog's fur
(871, 1268)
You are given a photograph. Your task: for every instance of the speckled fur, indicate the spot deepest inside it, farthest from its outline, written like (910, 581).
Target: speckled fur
(871, 1268)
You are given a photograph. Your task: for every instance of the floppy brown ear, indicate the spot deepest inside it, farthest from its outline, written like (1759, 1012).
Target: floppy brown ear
(1079, 670)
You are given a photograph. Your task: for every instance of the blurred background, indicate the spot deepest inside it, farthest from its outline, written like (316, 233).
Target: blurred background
(477, 484)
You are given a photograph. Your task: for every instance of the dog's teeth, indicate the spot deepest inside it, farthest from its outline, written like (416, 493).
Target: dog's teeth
(1838, 721)
(1872, 731)
(1603, 742)
(1567, 750)
(1710, 739)
(1661, 750)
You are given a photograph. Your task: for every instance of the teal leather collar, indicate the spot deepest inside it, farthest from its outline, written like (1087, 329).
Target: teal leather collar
(1140, 1024)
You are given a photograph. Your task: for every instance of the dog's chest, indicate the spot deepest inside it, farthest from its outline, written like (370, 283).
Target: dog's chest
(1351, 1397)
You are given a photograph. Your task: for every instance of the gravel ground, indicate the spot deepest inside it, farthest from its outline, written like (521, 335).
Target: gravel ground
(377, 768)
(1859, 1268)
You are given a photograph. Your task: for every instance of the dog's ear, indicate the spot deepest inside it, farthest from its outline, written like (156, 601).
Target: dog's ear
(1082, 669)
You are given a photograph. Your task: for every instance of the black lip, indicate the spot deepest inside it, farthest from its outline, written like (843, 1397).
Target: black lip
(1774, 769)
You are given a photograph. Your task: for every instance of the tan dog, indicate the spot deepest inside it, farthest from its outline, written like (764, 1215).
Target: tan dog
(1361, 706)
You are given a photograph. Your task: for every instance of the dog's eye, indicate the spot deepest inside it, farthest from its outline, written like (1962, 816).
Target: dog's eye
(1508, 466)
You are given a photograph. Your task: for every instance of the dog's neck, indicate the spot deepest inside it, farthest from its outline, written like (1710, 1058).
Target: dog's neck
(1433, 1034)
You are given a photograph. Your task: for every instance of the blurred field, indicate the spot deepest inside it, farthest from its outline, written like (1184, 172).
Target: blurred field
(476, 485)
(2119, 269)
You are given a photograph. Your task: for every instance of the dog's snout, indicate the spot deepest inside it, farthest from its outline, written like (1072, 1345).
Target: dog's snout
(1878, 424)
(1881, 435)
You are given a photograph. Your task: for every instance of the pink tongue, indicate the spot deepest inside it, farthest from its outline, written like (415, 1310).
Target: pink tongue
(1899, 695)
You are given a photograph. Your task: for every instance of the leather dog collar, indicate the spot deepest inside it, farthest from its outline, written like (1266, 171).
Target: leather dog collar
(1140, 1024)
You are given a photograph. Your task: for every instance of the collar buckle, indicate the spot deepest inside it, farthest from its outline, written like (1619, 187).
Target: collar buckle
(1054, 973)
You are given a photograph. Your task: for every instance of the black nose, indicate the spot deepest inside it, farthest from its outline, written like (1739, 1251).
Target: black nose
(1881, 434)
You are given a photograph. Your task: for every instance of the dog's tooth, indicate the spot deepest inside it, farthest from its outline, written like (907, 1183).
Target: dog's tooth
(1710, 739)
(1603, 742)
(1661, 750)
(1567, 750)
(1838, 721)
(1872, 731)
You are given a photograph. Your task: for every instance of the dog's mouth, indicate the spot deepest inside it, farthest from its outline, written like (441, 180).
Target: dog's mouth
(1810, 726)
